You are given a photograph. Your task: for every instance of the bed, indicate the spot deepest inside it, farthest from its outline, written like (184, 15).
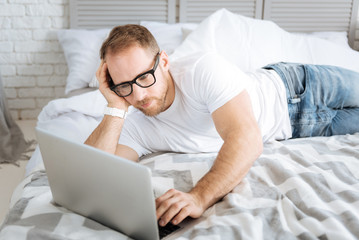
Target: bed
(299, 188)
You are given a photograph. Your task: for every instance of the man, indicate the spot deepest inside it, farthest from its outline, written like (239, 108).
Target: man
(202, 103)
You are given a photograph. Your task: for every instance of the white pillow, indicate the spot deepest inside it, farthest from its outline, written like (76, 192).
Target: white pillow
(186, 32)
(168, 36)
(81, 49)
(339, 38)
(253, 43)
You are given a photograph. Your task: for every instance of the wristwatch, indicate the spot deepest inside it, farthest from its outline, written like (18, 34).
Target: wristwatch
(115, 112)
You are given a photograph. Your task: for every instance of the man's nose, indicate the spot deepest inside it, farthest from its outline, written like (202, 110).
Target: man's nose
(138, 92)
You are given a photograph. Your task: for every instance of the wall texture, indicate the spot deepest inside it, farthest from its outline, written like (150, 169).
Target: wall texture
(32, 63)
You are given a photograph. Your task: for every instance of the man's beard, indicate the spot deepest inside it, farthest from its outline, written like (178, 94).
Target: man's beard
(157, 106)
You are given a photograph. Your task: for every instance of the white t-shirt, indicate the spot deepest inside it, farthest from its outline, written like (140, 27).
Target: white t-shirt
(269, 102)
(203, 83)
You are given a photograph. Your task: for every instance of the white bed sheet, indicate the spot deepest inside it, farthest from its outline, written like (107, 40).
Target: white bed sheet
(74, 118)
(297, 189)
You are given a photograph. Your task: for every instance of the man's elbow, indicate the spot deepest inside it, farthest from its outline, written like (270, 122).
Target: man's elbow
(259, 147)
(257, 142)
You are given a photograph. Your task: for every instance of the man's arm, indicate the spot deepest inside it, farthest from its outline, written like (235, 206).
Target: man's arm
(106, 136)
(236, 124)
(107, 133)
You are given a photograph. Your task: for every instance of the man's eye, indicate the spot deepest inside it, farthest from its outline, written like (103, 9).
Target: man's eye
(123, 86)
(143, 77)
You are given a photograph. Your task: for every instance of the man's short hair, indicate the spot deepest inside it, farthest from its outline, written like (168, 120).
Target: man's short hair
(126, 36)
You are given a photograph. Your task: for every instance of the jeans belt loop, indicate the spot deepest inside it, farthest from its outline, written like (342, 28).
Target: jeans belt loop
(294, 100)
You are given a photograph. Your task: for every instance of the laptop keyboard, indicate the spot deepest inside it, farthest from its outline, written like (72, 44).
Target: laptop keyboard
(166, 230)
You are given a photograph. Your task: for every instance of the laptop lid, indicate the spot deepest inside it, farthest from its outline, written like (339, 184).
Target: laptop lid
(104, 187)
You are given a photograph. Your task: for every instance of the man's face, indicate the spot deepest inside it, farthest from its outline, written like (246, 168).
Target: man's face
(126, 65)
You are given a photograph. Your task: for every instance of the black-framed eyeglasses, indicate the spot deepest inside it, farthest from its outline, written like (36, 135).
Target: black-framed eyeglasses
(144, 80)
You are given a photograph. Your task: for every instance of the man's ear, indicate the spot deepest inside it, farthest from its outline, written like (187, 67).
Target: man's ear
(164, 63)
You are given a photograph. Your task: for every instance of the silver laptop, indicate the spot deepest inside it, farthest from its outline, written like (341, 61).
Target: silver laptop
(106, 188)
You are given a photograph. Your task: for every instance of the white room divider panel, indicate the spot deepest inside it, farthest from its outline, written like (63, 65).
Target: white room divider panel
(92, 14)
(313, 15)
(292, 15)
(197, 10)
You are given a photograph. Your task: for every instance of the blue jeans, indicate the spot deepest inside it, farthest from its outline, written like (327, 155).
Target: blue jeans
(322, 100)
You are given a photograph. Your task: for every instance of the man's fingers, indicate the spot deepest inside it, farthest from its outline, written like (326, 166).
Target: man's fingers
(164, 202)
(104, 86)
(99, 69)
(103, 73)
(165, 196)
(171, 212)
(175, 206)
(185, 212)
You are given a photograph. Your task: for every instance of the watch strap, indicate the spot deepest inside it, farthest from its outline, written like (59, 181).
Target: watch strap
(115, 112)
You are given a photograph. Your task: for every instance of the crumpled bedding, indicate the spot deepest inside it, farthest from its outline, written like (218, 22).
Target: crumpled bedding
(303, 188)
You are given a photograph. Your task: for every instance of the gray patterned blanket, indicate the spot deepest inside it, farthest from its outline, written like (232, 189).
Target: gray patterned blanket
(304, 188)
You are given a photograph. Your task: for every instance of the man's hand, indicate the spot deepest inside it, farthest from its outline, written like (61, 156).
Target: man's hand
(104, 137)
(175, 206)
(111, 97)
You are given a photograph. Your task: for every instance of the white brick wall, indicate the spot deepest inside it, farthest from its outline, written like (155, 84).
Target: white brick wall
(32, 63)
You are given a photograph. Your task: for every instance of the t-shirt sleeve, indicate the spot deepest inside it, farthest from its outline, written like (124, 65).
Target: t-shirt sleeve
(217, 81)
